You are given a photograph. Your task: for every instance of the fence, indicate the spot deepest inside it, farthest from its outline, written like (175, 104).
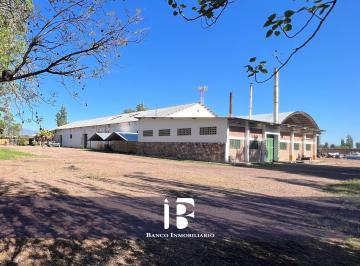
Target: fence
(339, 150)
(4, 141)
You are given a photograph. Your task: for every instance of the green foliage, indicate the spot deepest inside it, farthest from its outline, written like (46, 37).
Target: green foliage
(44, 135)
(349, 143)
(350, 187)
(139, 107)
(357, 145)
(34, 143)
(10, 154)
(128, 110)
(8, 125)
(21, 141)
(61, 116)
(204, 8)
(275, 24)
(13, 28)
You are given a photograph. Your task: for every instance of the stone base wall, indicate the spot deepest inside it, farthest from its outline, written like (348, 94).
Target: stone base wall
(211, 152)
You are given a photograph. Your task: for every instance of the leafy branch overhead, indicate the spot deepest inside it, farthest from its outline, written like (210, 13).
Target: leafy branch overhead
(312, 12)
(68, 39)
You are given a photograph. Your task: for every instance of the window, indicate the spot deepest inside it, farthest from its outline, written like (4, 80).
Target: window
(235, 144)
(283, 146)
(208, 131)
(164, 132)
(70, 136)
(183, 131)
(254, 145)
(296, 146)
(308, 147)
(148, 133)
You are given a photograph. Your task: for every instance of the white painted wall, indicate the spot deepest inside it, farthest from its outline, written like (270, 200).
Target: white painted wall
(77, 133)
(76, 141)
(174, 123)
(196, 110)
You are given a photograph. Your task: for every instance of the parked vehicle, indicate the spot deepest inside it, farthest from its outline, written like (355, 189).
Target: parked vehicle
(353, 156)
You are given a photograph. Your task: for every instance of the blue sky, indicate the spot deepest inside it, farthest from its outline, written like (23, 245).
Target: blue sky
(176, 57)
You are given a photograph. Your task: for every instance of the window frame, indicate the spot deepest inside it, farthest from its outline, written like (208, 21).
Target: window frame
(296, 145)
(282, 148)
(252, 144)
(162, 131)
(231, 144)
(186, 130)
(148, 131)
(206, 131)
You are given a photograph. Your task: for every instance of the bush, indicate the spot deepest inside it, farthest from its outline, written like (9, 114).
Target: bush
(22, 141)
(35, 143)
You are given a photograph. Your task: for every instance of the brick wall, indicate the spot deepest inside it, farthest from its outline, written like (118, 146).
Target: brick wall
(212, 152)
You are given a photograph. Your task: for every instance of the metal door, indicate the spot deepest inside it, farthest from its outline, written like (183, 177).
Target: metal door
(270, 148)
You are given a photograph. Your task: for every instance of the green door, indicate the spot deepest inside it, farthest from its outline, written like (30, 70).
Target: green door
(270, 148)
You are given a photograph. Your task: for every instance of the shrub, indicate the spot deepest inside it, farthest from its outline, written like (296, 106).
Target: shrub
(22, 141)
(35, 143)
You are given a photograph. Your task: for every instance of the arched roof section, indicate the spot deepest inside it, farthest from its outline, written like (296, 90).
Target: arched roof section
(299, 119)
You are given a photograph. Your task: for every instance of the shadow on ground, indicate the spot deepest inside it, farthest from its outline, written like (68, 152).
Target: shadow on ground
(43, 224)
(325, 171)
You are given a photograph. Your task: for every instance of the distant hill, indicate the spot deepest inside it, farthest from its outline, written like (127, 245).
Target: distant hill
(28, 132)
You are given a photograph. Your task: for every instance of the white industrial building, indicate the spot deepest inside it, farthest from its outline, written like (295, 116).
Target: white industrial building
(193, 131)
(77, 134)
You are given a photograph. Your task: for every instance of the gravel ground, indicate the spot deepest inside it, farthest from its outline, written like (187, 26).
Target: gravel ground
(63, 194)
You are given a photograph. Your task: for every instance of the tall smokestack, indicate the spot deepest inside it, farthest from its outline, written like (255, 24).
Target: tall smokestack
(230, 104)
(251, 101)
(276, 96)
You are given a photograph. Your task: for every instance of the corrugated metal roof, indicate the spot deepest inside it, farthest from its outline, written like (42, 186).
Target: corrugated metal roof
(126, 136)
(128, 117)
(99, 136)
(292, 118)
(269, 118)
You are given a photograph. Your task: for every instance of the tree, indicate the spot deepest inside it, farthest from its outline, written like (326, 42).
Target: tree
(8, 126)
(326, 145)
(44, 134)
(342, 143)
(139, 107)
(357, 145)
(69, 39)
(349, 142)
(310, 12)
(332, 146)
(61, 116)
(128, 110)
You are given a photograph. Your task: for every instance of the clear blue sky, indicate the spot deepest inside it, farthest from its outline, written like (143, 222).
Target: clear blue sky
(176, 57)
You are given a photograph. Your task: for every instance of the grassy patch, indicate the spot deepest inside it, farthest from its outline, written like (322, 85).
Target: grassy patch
(10, 154)
(349, 187)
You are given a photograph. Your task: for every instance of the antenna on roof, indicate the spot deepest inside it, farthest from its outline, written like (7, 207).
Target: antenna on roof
(202, 90)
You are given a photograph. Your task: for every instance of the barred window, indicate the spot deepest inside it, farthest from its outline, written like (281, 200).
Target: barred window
(254, 145)
(208, 131)
(148, 133)
(235, 143)
(296, 146)
(308, 147)
(283, 146)
(183, 131)
(164, 132)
